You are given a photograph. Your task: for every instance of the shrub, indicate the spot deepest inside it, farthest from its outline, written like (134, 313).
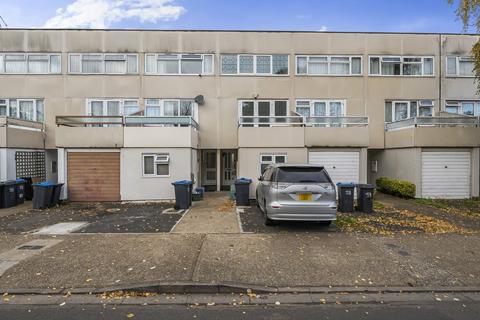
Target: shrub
(400, 188)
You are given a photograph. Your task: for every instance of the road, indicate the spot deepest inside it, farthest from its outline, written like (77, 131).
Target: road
(434, 311)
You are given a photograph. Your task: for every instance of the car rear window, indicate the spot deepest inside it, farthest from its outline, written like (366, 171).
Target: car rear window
(302, 175)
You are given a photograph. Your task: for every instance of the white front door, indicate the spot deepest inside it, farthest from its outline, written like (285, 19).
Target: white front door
(342, 166)
(446, 174)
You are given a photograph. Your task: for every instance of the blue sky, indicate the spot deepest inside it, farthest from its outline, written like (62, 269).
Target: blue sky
(326, 15)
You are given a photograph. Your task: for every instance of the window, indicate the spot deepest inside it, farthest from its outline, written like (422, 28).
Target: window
(103, 63)
(401, 66)
(156, 165)
(467, 108)
(30, 63)
(112, 107)
(187, 64)
(321, 108)
(329, 65)
(302, 175)
(170, 108)
(258, 112)
(460, 66)
(402, 110)
(26, 109)
(251, 64)
(268, 159)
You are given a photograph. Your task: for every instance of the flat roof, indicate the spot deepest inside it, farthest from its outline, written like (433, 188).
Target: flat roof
(246, 31)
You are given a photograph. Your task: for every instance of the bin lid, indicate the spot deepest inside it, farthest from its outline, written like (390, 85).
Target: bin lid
(182, 182)
(346, 184)
(365, 186)
(43, 184)
(243, 181)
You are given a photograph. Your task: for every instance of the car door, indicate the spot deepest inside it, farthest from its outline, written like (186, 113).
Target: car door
(266, 184)
(263, 186)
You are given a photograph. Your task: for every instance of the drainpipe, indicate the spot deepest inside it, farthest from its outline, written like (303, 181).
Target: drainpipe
(440, 73)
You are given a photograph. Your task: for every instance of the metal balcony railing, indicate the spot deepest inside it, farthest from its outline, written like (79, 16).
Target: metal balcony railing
(266, 121)
(142, 121)
(336, 121)
(303, 121)
(89, 121)
(131, 121)
(21, 123)
(434, 122)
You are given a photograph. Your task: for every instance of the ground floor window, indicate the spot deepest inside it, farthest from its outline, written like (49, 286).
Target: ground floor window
(26, 109)
(268, 159)
(156, 165)
(467, 108)
(402, 110)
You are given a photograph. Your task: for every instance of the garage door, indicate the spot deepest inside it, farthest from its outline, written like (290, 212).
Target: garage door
(446, 175)
(93, 176)
(341, 166)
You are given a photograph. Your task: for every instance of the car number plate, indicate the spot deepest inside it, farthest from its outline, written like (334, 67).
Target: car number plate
(305, 197)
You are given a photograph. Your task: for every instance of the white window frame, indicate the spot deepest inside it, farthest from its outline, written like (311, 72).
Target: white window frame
(423, 58)
(457, 67)
(409, 102)
(179, 60)
(459, 105)
(103, 63)
(17, 113)
(155, 162)
(327, 105)
(255, 108)
(105, 101)
(161, 106)
(329, 57)
(26, 56)
(273, 161)
(255, 73)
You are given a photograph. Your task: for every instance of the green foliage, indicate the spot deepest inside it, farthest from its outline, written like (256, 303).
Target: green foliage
(400, 188)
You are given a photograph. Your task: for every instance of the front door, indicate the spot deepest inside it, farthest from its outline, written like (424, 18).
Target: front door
(229, 169)
(209, 164)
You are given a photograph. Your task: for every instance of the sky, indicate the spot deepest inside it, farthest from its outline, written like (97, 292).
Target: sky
(302, 15)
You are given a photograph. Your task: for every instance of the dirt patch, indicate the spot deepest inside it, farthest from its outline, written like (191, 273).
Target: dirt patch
(226, 206)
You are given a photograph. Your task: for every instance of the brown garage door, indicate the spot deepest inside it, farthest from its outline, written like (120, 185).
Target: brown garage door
(93, 176)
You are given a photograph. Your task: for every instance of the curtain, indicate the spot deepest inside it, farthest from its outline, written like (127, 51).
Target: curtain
(340, 65)
(15, 64)
(466, 68)
(55, 63)
(318, 65)
(115, 66)
(390, 68)
(356, 66)
(452, 66)
(75, 63)
(167, 66)
(113, 108)
(150, 63)
(170, 108)
(92, 64)
(302, 65)
(40, 109)
(38, 64)
(414, 69)
(148, 166)
(319, 109)
(26, 109)
(401, 111)
(12, 111)
(374, 65)
(96, 108)
(132, 63)
(130, 107)
(152, 111)
(335, 109)
(428, 66)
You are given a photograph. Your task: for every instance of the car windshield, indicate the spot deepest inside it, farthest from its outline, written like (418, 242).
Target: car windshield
(302, 175)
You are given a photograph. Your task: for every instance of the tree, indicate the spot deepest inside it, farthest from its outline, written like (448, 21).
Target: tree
(468, 11)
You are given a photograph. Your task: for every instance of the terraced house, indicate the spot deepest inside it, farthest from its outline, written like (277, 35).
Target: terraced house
(121, 114)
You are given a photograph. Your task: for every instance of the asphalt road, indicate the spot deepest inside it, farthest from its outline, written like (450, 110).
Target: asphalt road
(434, 311)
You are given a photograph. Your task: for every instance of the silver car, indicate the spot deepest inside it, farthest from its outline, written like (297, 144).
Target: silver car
(296, 192)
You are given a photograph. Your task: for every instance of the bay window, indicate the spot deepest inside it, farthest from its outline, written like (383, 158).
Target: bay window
(251, 64)
(102, 63)
(30, 63)
(402, 110)
(170, 108)
(329, 65)
(185, 64)
(460, 66)
(26, 109)
(401, 66)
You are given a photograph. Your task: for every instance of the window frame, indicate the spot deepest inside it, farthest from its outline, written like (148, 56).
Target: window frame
(255, 73)
(17, 113)
(26, 60)
(329, 58)
(155, 162)
(255, 109)
(161, 106)
(402, 63)
(103, 72)
(179, 60)
(273, 161)
(88, 103)
(459, 104)
(327, 105)
(457, 67)
(409, 102)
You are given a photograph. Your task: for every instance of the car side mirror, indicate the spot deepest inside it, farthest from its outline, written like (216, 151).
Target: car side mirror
(260, 178)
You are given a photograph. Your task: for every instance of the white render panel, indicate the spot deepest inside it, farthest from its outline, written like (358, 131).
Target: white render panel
(446, 174)
(342, 166)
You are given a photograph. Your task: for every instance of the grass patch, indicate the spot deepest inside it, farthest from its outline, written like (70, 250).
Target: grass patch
(440, 204)
(379, 206)
(345, 222)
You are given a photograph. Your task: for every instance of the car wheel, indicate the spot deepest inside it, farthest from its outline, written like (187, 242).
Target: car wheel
(268, 221)
(325, 223)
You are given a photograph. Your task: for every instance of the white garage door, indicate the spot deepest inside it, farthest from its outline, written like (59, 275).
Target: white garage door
(445, 175)
(341, 166)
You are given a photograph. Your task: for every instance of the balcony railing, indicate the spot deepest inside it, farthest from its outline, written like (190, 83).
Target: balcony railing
(303, 121)
(131, 121)
(265, 121)
(336, 121)
(434, 122)
(21, 123)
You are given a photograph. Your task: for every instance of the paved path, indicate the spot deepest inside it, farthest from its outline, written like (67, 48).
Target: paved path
(215, 214)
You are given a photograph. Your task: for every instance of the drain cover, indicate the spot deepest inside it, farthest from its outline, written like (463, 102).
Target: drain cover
(30, 247)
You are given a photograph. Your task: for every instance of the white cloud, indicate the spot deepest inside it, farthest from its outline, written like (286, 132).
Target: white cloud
(323, 29)
(99, 14)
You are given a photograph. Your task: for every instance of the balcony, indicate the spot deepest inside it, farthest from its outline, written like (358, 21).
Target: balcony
(336, 132)
(20, 133)
(130, 131)
(443, 131)
(298, 131)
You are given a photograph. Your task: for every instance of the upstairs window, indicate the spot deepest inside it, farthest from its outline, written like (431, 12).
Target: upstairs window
(26, 109)
(460, 66)
(321, 108)
(467, 108)
(407, 66)
(251, 64)
(402, 110)
(329, 65)
(170, 108)
(103, 63)
(112, 107)
(186, 64)
(30, 63)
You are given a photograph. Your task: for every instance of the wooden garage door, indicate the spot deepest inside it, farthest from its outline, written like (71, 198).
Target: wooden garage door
(93, 176)
(445, 175)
